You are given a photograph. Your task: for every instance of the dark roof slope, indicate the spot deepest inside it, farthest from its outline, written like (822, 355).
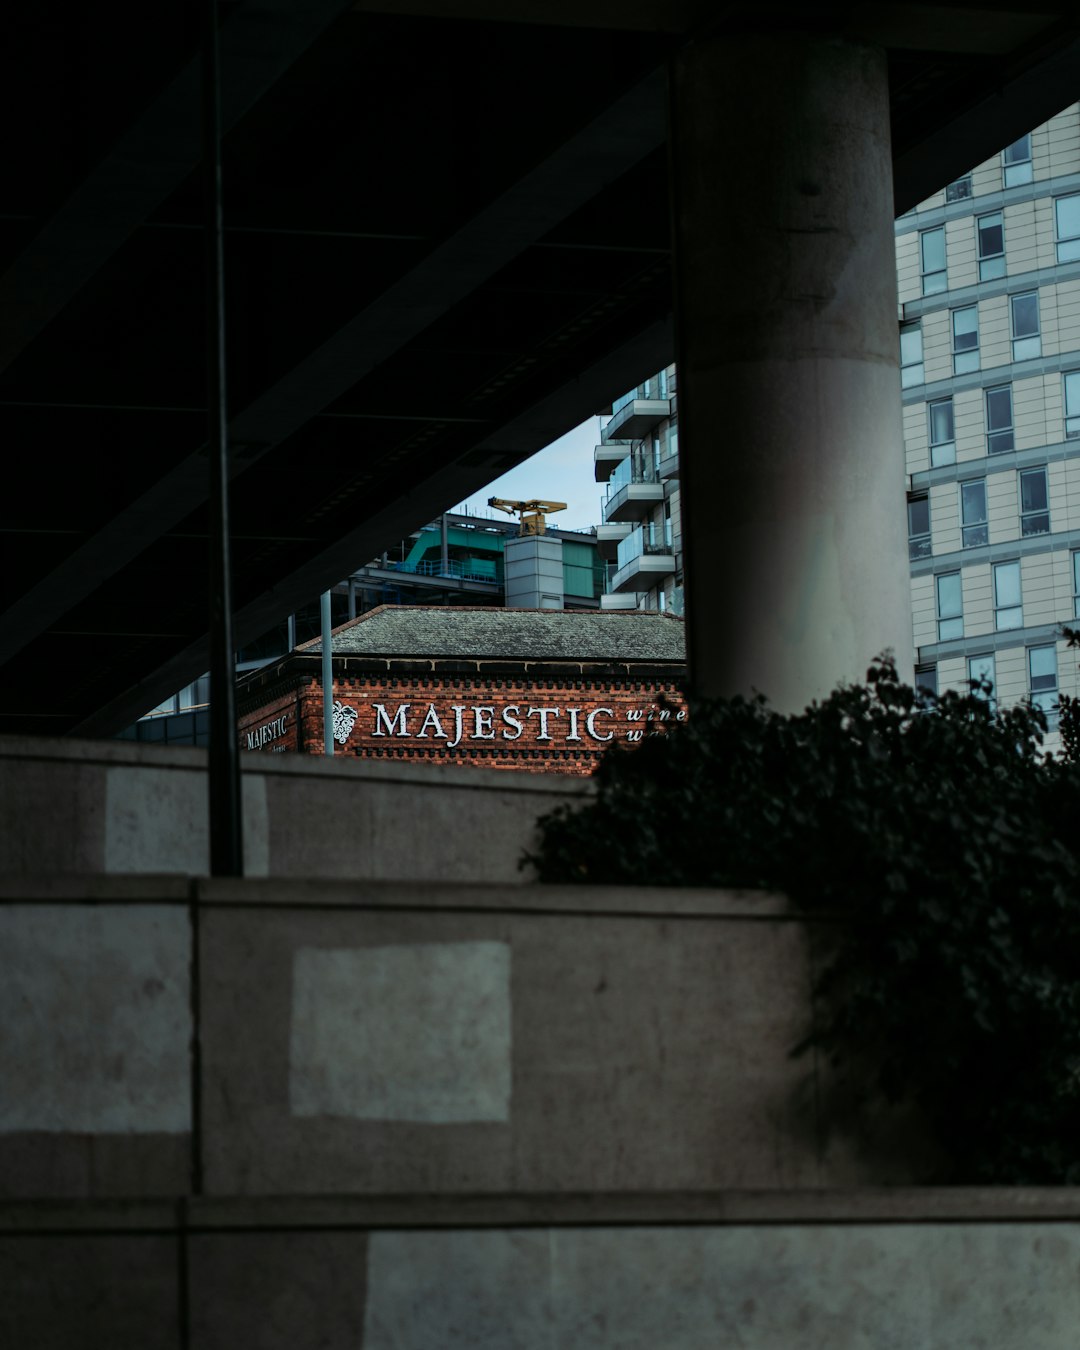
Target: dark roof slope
(517, 634)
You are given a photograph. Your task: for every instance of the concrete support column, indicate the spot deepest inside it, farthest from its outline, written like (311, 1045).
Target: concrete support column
(792, 458)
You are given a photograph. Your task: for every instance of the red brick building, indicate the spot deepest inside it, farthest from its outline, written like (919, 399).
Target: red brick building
(543, 690)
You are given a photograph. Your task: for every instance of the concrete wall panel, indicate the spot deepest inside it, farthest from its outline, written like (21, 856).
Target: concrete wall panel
(94, 1019)
(82, 1292)
(69, 807)
(94, 1050)
(645, 1054)
(277, 1290)
(869, 1287)
(417, 1033)
(51, 816)
(157, 820)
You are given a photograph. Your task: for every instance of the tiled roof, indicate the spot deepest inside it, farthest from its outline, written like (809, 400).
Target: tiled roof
(515, 634)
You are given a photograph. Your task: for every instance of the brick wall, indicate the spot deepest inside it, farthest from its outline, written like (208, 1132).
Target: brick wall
(560, 725)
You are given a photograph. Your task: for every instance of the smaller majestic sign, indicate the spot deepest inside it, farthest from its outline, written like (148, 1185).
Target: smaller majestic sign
(260, 737)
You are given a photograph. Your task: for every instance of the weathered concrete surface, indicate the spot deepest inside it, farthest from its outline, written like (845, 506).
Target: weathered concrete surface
(95, 1026)
(917, 1287)
(413, 1038)
(116, 807)
(95, 1019)
(277, 1290)
(415, 1032)
(1005, 1284)
(156, 820)
(645, 1054)
(86, 1292)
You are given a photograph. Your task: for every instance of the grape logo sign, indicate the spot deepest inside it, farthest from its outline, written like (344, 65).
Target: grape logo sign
(344, 721)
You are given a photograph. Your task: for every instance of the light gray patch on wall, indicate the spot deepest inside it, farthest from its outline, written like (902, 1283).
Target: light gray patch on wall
(156, 820)
(402, 1033)
(471, 1290)
(256, 825)
(95, 1019)
(851, 1287)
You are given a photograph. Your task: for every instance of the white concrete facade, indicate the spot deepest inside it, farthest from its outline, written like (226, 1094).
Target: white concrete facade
(988, 273)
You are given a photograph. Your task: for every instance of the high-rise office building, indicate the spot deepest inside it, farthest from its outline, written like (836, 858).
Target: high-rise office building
(989, 302)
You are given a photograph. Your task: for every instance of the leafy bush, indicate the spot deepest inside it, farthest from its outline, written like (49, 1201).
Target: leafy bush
(939, 828)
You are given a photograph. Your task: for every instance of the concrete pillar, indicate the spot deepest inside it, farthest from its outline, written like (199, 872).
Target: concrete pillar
(792, 458)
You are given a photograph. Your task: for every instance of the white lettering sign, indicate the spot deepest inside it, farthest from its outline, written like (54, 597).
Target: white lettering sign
(461, 722)
(269, 731)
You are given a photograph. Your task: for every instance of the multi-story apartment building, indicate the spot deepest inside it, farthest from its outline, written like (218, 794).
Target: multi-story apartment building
(989, 294)
(641, 533)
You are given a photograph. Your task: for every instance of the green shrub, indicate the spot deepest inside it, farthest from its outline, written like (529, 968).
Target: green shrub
(939, 828)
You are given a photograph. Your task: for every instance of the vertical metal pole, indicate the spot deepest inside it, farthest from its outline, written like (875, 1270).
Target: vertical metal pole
(290, 629)
(327, 675)
(444, 551)
(352, 597)
(226, 830)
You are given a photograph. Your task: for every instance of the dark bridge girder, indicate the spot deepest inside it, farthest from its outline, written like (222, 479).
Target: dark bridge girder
(447, 242)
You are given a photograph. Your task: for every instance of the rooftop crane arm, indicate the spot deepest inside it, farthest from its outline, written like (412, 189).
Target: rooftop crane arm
(533, 513)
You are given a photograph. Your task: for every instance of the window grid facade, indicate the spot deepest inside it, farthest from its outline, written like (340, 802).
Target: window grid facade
(1043, 680)
(1000, 434)
(990, 238)
(1034, 502)
(993, 461)
(965, 339)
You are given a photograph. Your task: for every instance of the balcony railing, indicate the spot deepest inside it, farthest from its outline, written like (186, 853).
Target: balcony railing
(649, 538)
(462, 569)
(656, 386)
(628, 472)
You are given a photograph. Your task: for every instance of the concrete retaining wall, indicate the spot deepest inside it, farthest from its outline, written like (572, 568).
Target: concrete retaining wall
(286, 1037)
(115, 807)
(999, 1274)
(276, 1113)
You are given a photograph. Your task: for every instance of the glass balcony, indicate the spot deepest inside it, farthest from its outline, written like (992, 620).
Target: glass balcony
(608, 538)
(643, 559)
(606, 458)
(633, 490)
(648, 538)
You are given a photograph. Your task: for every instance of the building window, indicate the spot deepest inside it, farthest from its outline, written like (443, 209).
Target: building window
(911, 356)
(932, 252)
(1067, 219)
(1034, 502)
(942, 434)
(982, 678)
(999, 420)
(926, 679)
(1024, 314)
(973, 527)
(965, 339)
(959, 190)
(1043, 680)
(990, 233)
(950, 607)
(1072, 404)
(1008, 611)
(1076, 583)
(1016, 161)
(918, 524)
